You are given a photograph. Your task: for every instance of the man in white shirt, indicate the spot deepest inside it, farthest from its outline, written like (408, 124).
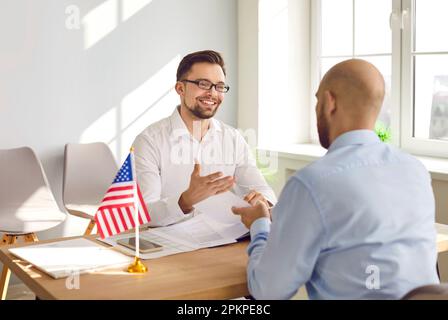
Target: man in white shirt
(190, 156)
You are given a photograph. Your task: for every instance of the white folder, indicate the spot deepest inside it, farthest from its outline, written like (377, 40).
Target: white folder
(68, 257)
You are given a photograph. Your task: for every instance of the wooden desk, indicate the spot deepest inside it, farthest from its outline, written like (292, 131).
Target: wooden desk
(212, 273)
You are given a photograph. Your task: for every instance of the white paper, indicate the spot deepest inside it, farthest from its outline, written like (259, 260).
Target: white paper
(197, 231)
(169, 246)
(64, 258)
(190, 235)
(233, 230)
(219, 207)
(213, 225)
(217, 211)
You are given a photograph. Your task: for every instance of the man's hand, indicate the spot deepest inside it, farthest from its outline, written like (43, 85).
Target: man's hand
(253, 197)
(203, 187)
(250, 214)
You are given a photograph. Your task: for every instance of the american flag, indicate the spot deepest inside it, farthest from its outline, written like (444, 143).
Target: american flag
(116, 212)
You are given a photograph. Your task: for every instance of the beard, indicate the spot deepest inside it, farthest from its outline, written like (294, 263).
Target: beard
(322, 129)
(200, 113)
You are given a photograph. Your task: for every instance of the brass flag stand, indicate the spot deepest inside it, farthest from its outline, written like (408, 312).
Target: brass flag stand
(137, 266)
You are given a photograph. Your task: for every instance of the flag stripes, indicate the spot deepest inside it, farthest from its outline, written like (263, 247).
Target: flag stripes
(117, 210)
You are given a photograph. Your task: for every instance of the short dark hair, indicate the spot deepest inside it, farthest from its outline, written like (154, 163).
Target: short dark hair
(189, 60)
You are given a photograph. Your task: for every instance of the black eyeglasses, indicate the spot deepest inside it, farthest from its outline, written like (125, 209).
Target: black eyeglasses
(208, 85)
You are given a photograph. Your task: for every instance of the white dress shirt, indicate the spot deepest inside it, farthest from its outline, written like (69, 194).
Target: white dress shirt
(165, 153)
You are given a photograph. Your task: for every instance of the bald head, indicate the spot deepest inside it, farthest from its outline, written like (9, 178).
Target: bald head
(349, 98)
(358, 87)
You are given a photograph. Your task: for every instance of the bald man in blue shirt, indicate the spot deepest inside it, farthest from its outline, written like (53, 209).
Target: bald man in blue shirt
(356, 224)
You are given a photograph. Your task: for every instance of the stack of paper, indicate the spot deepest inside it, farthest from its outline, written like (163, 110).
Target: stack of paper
(68, 257)
(213, 225)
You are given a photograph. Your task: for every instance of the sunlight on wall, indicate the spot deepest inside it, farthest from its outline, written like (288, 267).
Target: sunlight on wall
(274, 77)
(129, 8)
(103, 129)
(151, 101)
(99, 22)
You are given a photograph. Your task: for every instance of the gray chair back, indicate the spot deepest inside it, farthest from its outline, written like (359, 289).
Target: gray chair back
(27, 203)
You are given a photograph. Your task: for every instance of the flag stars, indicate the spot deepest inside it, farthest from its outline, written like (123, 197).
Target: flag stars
(125, 173)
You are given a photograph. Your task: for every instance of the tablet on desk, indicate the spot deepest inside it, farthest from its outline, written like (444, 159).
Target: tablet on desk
(145, 245)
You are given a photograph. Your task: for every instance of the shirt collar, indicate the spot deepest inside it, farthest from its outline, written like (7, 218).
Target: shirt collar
(179, 125)
(354, 137)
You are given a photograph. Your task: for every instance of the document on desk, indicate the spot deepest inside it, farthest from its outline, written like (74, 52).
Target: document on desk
(190, 235)
(169, 245)
(198, 232)
(217, 211)
(213, 225)
(64, 258)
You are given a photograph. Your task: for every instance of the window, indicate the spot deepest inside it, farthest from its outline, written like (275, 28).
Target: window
(425, 77)
(405, 40)
(357, 29)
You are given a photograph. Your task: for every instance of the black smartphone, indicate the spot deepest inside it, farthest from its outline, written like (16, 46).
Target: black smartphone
(145, 245)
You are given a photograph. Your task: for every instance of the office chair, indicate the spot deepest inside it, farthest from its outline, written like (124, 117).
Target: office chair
(89, 170)
(27, 204)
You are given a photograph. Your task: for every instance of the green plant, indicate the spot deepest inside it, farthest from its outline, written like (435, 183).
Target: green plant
(266, 171)
(383, 131)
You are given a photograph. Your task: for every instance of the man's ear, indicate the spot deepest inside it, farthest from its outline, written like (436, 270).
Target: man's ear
(330, 103)
(180, 88)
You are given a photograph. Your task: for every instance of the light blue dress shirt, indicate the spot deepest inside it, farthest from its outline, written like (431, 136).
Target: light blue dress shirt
(356, 224)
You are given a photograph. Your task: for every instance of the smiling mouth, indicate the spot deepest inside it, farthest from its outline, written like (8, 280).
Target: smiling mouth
(208, 102)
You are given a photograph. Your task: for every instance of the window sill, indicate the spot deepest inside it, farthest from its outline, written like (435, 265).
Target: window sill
(438, 167)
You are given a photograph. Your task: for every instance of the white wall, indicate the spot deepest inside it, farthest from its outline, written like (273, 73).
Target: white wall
(248, 64)
(105, 81)
(274, 65)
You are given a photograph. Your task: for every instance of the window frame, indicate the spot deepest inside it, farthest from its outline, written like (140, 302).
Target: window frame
(425, 147)
(402, 86)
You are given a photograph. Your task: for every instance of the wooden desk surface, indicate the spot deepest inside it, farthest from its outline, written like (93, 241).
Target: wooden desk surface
(212, 273)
